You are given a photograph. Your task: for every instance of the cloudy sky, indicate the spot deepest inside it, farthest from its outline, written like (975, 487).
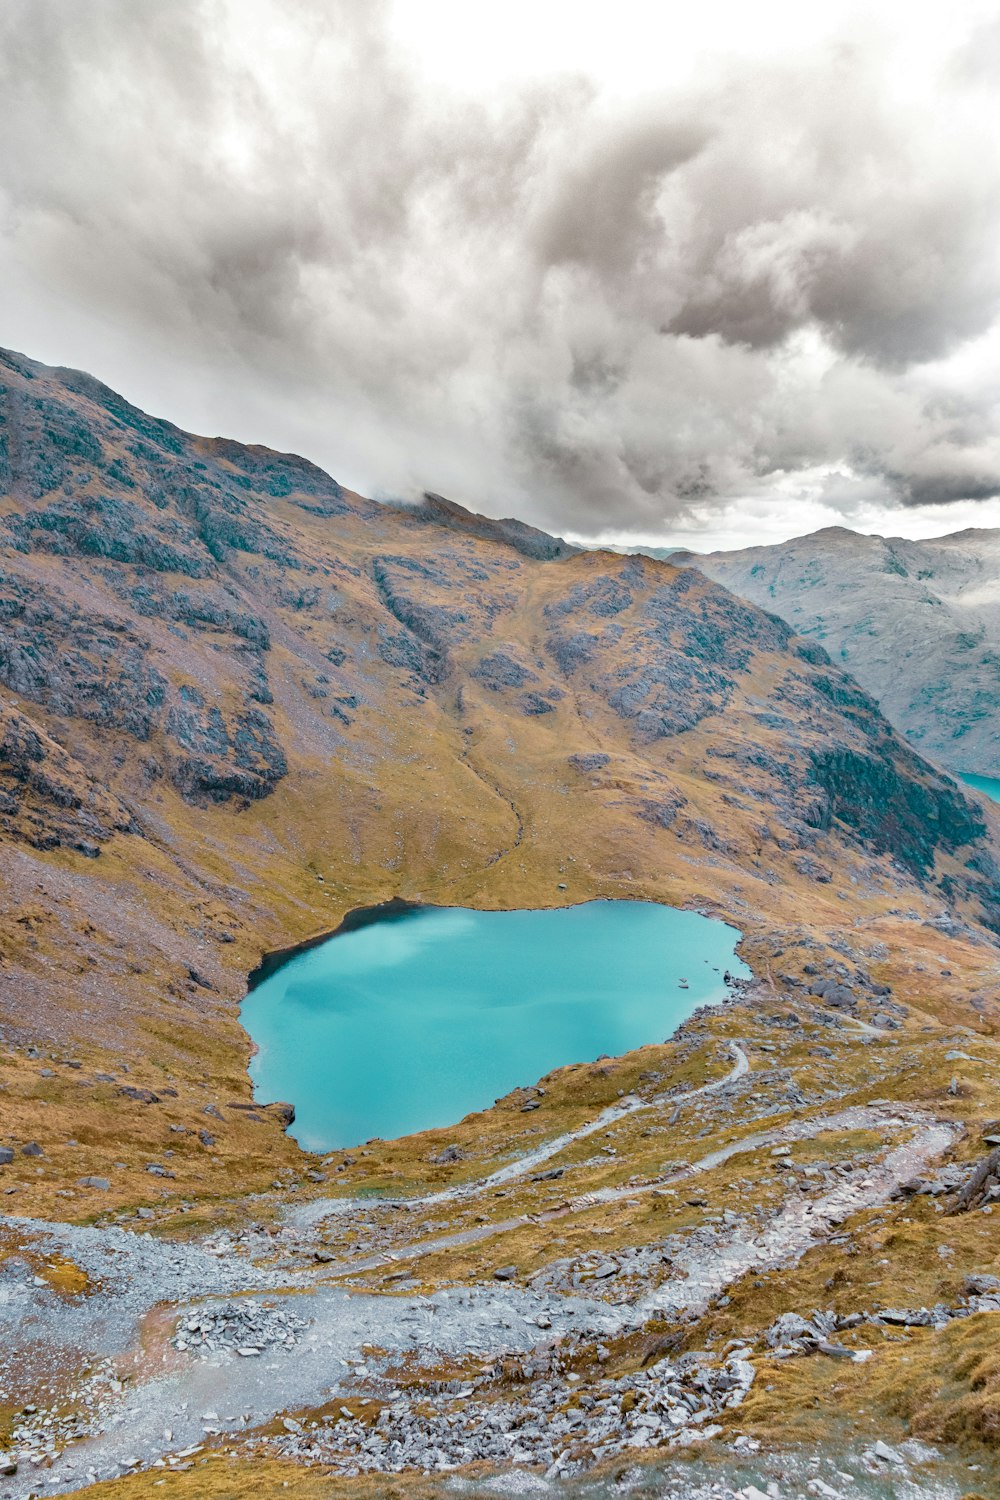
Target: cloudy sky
(706, 274)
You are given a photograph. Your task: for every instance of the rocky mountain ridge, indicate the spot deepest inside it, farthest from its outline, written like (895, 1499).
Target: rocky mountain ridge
(192, 628)
(917, 623)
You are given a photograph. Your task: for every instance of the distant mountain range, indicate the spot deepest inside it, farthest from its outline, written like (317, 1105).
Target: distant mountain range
(916, 623)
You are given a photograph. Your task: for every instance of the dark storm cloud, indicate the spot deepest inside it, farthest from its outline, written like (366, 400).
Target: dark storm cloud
(597, 315)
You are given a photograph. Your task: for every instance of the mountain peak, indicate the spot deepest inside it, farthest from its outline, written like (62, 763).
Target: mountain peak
(916, 622)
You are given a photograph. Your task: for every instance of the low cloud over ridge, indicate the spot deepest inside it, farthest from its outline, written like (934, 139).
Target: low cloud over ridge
(601, 314)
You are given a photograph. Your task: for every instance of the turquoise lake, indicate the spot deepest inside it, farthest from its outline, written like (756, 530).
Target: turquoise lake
(414, 1019)
(987, 784)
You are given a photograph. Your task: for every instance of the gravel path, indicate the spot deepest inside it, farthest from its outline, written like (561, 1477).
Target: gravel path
(132, 1273)
(212, 1366)
(875, 1189)
(170, 1412)
(324, 1208)
(801, 1224)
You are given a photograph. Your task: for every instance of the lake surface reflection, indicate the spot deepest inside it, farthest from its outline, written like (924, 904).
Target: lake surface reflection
(416, 1018)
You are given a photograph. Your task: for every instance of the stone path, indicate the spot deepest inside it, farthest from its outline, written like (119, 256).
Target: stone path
(930, 1140)
(316, 1341)
(324, 1208)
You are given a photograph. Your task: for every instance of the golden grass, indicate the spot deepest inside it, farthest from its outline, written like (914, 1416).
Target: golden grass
(221, 1478)
(454, 799)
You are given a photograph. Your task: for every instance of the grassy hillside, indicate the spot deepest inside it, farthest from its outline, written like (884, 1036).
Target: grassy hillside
(237, 701)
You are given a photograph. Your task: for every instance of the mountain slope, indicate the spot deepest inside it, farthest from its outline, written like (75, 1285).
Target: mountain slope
(237, 701)
(917, 623)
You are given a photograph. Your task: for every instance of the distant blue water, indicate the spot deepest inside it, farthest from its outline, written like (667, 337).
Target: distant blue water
(414, 1020)
(987, 784)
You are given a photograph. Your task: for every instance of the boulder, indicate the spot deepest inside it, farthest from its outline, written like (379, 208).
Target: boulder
(448, 1155)
(141, 1096)
(985, 1175)
(594, 761)
(833, 993)
(980, 1285)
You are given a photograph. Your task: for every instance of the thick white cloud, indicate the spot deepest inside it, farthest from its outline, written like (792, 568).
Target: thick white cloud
(767, 285)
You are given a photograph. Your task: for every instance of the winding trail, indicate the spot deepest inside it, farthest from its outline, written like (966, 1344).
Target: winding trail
(802, 1224)
(323, 1208)
(931, 1139)
(177, 1399)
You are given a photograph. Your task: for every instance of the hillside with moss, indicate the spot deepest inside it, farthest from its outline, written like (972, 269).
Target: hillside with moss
(238, 701)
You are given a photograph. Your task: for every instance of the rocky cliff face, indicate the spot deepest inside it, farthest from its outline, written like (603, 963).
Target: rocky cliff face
(236, 699)
(917, 623)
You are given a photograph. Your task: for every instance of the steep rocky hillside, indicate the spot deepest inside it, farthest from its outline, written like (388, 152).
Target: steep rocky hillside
(237, 701)
(917, 623)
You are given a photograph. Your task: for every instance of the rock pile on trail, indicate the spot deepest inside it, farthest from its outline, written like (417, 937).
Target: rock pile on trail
(245, 1328)
(672, 1404)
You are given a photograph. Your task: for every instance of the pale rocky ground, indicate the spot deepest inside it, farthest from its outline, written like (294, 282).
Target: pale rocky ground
(266, 1340)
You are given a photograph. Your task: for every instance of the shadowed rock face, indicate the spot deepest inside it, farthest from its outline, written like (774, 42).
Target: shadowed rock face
(192, 630)
(147, 522)
(47, 799)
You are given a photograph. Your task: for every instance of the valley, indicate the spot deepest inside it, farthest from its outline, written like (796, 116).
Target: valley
(237, 703)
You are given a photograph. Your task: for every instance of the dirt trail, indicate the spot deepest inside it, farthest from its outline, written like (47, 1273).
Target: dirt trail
(179, 1398)
(172, 1412)
(323, 1208)
(800, 1224)
(932, 1138)
(197, 1396)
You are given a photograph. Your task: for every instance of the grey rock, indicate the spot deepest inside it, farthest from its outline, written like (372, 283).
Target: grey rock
(447, 1156)
(887, 1455)
(595, 761)
(500, 670)
(980, 1284)
(906, 1317)
(789, 1327)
